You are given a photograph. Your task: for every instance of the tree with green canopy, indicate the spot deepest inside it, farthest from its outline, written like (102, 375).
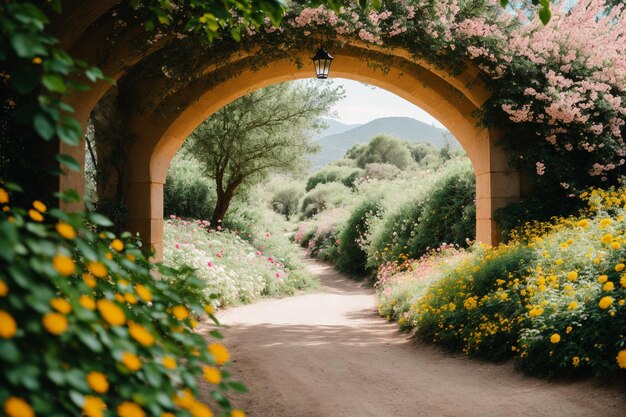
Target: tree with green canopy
(386, 149)
(265, 132)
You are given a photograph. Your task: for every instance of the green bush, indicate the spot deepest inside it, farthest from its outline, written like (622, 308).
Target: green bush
(449, 213)
(323, 197)
(384, 149)
(351, 256)
(285, 200)
(476, 307)
(187, 192)
(85, 327)
(345, 175)
(554, 298)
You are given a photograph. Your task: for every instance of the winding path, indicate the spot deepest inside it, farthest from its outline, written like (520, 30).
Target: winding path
(328, 354)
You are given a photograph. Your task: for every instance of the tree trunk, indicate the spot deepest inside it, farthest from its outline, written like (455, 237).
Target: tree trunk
(224, 197)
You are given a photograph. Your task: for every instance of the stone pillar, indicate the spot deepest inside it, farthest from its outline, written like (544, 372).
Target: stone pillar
(496, 186)
(145, 214)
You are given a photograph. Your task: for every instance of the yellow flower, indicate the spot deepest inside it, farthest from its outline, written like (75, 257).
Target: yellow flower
(568, 330)
(130, 257)
(210, 310)
(65, 230)
(93, 406)
(39, 206)
(219, 352)
(143, 292)
(623, 281)
(117, 244)
(621, 359)
(609, 286)
(605, 302)
(130, 409)
(17, 407)
(180, 312)
(184, 398)
(108, 255)
(64, 265)
(4, 196)
(602, 279)
(237, 413)
(615, 245)
(8, 326)
(131, 361)
(89, 280)
(607, 239)
(535, 312)
(4, 289)
(572, 305)
(198, 409)
(140, 334)
(111, 313)
(559, 262)
(572, 275)
(619, 267)
(97, 269)
(130, 298)
(55, 323)
(212, 375)
(119, 298)
(35, 215)
(169, 362)
(98, 382)
(61, 305)
(555, 338)
(36, 60)
(87, 302)
(575, 361)
(583, 223)
(604, 223)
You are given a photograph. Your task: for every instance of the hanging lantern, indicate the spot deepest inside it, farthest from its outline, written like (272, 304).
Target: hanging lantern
(322, 61)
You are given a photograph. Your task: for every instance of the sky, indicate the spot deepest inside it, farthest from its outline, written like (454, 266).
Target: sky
(365, 102)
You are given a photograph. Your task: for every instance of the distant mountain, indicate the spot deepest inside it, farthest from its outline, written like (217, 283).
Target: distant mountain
(335, 127)
(335, 145)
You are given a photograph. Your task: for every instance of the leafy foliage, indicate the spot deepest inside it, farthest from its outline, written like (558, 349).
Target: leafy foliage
(85, 326)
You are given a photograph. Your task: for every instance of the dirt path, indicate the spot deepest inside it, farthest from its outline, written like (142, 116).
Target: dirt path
(328, 354)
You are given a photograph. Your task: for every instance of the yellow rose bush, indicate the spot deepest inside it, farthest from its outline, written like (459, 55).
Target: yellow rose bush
(87, 329)
(553, 298)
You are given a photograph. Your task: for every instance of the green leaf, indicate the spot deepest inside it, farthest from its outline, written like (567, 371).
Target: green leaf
(69, 131)
(69, 196)
(504, 3)
(69, 162)
(545, 15)
(94, 74)
(27, 45)
(9, 352)
(100, 220)
(238, 386)
(77, 398)
(43, 126)
(54, 83)
(90, 340)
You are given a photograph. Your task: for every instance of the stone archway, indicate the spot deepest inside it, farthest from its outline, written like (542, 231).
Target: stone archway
(159, 136)
(160, 125)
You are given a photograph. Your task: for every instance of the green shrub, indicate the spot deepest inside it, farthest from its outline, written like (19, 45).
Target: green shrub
(383, 149)
(476, 307)
(345, 175)
(187, 192)
(85, 326)
(285, 200)
(352, 257)
(324, 196)
(449, 213)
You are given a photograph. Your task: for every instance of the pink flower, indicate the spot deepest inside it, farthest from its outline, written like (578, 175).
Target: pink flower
(210, 264)
(267, 235)
(277, 275)
(541, 168)
(177, 246)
